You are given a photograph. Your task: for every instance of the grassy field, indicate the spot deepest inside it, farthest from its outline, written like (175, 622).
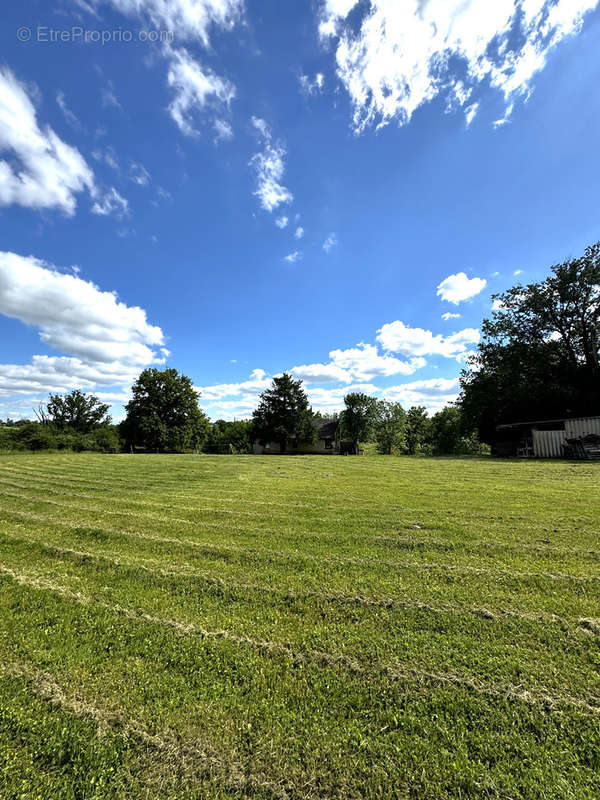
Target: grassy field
(228, 627)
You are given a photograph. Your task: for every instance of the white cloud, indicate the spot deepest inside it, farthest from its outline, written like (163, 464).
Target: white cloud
(434, 394)
(108, 96)
(357, 369)
(330, 242)
(314, 86)
(360, 363)
(67, 113)
(457, 288)
(393, 57)
(282, 222)
(517, 272)
(236, 400)
(363, 362)
(187, 19)
(299, 232)
(74, 315)
(42, 171)
(108, 156)
(269, 168)
(110, 202)
(448, 316)
(195, 89)
(223, 131)
(61, 374)
(331, 400)
(396, 337)
(291, 258)
(500, 123)
(106, 342)
(248, 390)
(471, 113)
(139, 174)
(321, 373)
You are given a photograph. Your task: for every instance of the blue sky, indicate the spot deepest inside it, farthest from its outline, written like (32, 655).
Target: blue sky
(336, 189)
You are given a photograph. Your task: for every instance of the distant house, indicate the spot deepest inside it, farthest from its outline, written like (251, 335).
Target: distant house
(327, 442)
(554, 438)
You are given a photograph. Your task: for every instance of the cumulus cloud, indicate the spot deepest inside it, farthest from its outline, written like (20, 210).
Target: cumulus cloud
(448, 316)
(106, 342)
(299, 232)
(434, 394)
(74, 315)
(393, 57)
(245, 392)
(358, 369)
(42, 171)
(269, 168)
(458, 288)
(195, 89)
(281, 222)
(360, 363)
(321, 373)
(291, 258)
(330, 242)
(396, 337)
(59, 375)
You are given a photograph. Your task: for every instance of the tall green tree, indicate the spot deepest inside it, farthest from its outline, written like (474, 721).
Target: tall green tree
(283, 413)
(417, 431)
(539, 354)
(81, 412)
(163, 414)
(452, 434)
(358, 417)
(389, 427)
(225, 437)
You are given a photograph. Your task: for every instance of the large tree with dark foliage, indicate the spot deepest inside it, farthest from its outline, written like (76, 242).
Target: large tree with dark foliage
(283, 413)
(539, 354)
(163, 414)
(358, 417)
(418, 431)
(389, 427)
(78, 411)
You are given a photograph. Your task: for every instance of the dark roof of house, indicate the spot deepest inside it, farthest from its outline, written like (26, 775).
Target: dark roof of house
(326, 428)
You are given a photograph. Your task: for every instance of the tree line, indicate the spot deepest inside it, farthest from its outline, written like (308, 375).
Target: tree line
(164, 416)
(538, 359)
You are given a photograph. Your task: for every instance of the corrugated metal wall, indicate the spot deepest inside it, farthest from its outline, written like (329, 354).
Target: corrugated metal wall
(577, 428)
(548, 444)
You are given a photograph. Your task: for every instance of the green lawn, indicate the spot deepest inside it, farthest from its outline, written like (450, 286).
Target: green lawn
(226, 627)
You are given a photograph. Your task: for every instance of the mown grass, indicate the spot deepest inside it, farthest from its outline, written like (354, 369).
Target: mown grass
(228, 627)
